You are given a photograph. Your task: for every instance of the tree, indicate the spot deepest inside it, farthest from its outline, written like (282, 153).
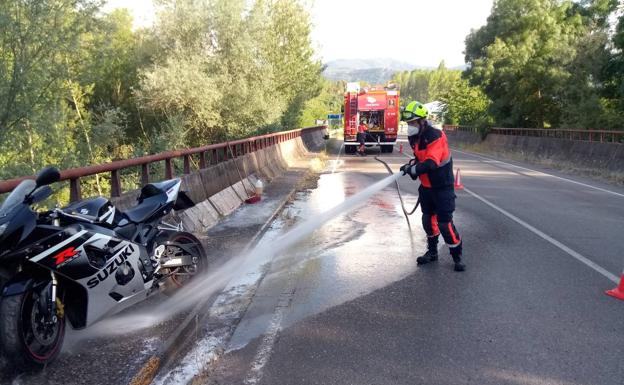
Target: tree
(521, 59)
(329, 101)
(614, 74)
(35, 36)
(232, 68)
(465, 104)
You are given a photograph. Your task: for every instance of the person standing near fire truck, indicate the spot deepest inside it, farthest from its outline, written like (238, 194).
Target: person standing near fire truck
(361, 136)
(434, 166)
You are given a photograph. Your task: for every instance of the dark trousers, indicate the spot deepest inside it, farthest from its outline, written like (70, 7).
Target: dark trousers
(438, 205)
(361, 138)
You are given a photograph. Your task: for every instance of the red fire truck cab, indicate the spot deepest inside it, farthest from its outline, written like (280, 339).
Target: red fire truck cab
(378, 108)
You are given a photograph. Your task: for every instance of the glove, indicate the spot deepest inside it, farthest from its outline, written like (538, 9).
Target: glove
(404, 168)
(407, 165)
(411, 170)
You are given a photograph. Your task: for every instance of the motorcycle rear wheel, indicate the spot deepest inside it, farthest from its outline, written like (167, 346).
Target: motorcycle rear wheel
(27, 341)
(182, 275)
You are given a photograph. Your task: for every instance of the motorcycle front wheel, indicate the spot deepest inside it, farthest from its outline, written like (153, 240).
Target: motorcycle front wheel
(29, 339)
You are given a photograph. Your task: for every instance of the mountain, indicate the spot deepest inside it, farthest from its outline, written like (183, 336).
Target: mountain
(462, 67)
(373, 71)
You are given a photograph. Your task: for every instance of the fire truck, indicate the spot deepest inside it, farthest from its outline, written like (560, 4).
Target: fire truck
(378, 108)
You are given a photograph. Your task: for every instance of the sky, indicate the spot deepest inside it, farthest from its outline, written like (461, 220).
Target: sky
(419, 32)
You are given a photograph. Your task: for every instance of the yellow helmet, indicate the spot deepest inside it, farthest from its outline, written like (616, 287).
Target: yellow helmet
(414, 110)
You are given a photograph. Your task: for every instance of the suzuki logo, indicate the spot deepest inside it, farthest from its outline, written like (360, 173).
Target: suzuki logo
(108, 271)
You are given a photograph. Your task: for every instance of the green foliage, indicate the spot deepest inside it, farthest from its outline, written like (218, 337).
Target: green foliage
(79, 87)
(542, 63)
(426, 85)
(229, 71)
(329, 101)
(464, 104)
(36, 38)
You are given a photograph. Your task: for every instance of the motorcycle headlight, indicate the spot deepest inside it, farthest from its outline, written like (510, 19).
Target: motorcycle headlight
(3, 229)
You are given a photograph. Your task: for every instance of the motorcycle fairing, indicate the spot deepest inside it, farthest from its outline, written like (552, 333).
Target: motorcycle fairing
(108, 268)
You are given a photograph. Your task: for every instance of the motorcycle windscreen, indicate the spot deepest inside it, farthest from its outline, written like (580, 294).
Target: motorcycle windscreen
(371, 102)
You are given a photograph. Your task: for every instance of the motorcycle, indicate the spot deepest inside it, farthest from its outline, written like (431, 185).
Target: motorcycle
(84, 262)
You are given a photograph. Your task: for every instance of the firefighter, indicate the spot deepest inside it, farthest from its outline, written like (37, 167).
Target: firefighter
(361, 136)
(434, 166)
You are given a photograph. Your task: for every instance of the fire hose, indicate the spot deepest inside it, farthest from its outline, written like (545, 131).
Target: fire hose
(396, 182)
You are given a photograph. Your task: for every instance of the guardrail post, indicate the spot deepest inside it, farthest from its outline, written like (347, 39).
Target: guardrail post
(115, 184)
(168, 169)
(187, 164)
(214, 158)
(74, 190)
(202, 160)
(144, 174)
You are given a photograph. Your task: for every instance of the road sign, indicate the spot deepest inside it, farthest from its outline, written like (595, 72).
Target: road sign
(334, 116)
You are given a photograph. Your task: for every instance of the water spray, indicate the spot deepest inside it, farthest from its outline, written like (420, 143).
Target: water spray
(203, 287)
(337, 161)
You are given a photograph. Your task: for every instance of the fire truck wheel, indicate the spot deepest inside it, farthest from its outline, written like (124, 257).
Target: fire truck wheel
(350, 149)
(387, 149)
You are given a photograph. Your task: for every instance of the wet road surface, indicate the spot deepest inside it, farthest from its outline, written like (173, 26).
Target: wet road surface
(349, 305)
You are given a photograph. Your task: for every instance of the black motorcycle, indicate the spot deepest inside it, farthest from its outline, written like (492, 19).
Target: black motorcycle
(84, 262)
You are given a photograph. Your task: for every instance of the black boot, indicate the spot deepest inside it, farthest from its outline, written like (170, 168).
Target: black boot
(456, 253)
(432, 252)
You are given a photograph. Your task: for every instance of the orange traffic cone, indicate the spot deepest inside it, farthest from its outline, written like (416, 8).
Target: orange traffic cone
(618, 292)
(458, 184)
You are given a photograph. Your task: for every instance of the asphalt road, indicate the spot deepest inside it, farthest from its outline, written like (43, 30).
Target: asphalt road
(349, 305)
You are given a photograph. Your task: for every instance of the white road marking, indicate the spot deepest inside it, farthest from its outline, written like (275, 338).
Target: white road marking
(266, 347)
(545, 236)
(548, 238)
(542, 173)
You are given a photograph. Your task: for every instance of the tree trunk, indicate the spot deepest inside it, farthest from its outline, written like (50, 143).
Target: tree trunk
(87, 139)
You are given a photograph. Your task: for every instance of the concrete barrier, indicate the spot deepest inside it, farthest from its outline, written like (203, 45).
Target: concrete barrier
(463, 137)
(584, 154)
(220, 189)
(606, 156)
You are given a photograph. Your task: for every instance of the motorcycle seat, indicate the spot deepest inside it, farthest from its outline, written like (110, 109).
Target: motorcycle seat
(153, 196)
(153, 189)
(143, 210)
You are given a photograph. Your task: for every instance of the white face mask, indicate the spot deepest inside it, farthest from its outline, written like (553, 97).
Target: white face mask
(412, 130)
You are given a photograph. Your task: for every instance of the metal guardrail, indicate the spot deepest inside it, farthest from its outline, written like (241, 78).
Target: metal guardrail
(450, 127)
(208, 155)
(601, 136)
